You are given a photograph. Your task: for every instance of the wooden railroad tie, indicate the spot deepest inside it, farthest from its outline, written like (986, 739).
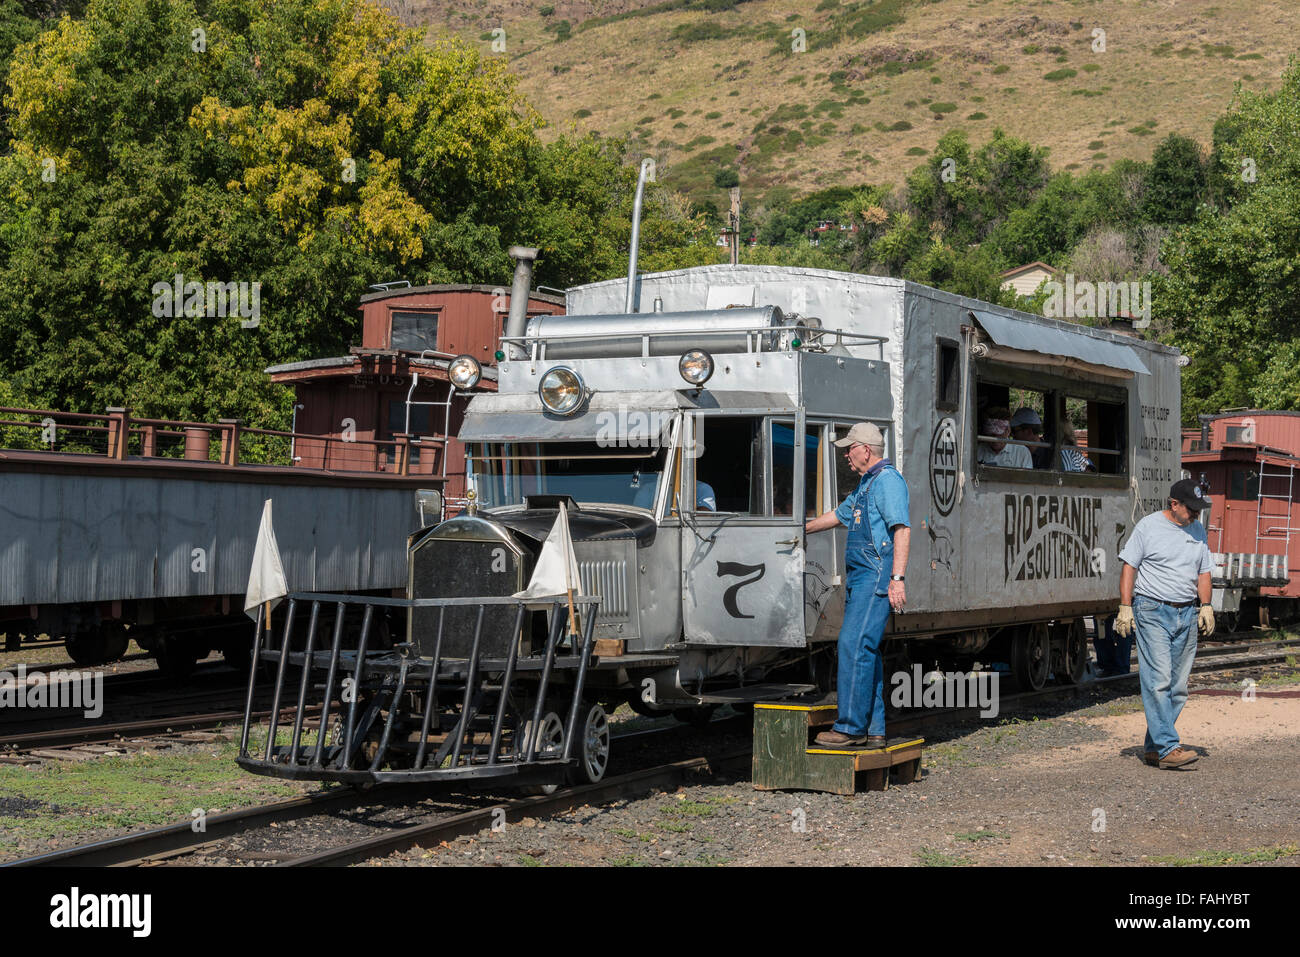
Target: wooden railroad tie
(786, 759)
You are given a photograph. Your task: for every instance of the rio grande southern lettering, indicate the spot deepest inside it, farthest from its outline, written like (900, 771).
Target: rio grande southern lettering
(1051, 536)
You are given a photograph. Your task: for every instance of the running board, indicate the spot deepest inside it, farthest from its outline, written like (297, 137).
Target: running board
(769, 692)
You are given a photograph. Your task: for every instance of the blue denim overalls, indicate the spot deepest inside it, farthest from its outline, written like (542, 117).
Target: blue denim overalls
(861, 683)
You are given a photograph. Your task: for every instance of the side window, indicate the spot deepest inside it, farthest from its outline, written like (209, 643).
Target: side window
(846, 480)
(783, 469)
(1052, 429)
(1243, 485)
(729, 465)
(947, 366)
(414, 331)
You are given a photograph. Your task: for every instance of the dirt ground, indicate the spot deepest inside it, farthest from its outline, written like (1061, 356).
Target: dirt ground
(1065, 790)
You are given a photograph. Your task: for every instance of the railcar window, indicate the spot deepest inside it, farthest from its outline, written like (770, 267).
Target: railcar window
(414, 331)
(1064, 432)
(730, 463)
(948, 375)
(1243, 485)
(421, 422)
(846, 480)
(783, 469)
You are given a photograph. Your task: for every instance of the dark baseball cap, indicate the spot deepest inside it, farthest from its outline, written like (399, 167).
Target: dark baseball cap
(1190, 494)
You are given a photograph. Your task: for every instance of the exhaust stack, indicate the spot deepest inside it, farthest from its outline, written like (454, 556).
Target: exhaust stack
(517, 321)
(629, 303)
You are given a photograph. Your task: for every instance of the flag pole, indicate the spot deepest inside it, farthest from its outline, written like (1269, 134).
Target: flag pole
(573, 622)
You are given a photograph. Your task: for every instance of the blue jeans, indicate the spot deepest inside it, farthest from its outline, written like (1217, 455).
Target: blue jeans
(1166, 642)
(1113, 649)
(861, 680)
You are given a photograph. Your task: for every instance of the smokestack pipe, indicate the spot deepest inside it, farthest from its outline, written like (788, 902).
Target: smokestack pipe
(518, 319)
(629, 304)
(1205, 431)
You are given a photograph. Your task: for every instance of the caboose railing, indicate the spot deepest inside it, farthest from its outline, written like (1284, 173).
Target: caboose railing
(468, 710)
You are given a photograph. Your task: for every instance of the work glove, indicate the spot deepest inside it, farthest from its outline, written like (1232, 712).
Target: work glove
(1124, 623)
(1205, 620)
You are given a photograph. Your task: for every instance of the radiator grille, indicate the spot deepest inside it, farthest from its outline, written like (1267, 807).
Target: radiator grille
(608, 579)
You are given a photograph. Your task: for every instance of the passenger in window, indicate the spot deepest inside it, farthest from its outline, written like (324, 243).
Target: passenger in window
(705, 499)
(997, 424)
(1027, 426)
(1072, 460)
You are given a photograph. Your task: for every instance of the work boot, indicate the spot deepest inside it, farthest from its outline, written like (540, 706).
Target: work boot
(1177, 758)
(836, 739)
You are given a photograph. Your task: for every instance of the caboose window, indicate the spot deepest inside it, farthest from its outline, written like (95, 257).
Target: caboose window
(1243, 485)
(414, 331)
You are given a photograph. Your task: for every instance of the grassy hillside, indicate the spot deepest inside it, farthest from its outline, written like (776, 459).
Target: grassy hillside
(878, 82)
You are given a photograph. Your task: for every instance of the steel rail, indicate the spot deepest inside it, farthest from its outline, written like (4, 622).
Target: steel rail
(141, 847)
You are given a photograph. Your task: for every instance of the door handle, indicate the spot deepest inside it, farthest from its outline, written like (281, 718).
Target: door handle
(789, 541)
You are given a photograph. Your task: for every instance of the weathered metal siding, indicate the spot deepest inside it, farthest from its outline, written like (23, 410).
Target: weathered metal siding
(67, 537)
(969, 559)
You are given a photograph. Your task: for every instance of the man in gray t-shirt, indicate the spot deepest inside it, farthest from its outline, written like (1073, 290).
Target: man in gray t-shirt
(1166, 573)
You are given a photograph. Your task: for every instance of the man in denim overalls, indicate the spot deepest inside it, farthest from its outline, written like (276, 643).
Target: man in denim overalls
(875, 514)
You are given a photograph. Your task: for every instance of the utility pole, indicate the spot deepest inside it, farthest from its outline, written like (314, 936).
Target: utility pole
(735, 225)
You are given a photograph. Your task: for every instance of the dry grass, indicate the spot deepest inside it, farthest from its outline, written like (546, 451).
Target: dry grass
(1166, 68)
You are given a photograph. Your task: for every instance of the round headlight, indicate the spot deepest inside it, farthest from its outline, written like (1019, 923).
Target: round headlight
(464, 372)
(561, 391)
(696, 366)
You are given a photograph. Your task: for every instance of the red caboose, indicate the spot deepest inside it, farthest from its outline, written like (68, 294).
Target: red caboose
(1247, 460)
(408, 337)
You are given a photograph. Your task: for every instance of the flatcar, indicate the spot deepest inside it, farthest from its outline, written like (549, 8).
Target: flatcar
(741, 378)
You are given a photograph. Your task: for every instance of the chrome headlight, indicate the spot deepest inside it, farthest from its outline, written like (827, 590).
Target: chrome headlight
(561, 391)
(696, 366)
(464, 372)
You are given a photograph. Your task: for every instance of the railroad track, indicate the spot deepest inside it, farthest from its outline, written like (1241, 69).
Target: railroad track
(89, 741)
(176, 841)
(94, 741)
(179, 841)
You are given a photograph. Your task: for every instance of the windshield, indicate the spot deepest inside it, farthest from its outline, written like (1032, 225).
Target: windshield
(503, 474)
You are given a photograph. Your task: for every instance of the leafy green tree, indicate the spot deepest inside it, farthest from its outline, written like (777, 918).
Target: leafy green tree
(1177, 183)
(311, 146)
(1232, 294)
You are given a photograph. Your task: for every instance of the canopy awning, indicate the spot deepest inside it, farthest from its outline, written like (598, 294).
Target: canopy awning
(519, 416)
(1059, 343)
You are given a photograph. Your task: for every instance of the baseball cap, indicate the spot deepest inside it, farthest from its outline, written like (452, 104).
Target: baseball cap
(1190, 494)
(1026, 416)
(863, 432)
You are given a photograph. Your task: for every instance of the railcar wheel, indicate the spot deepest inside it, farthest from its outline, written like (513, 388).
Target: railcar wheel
(1031, 656)
(592, 746)
(116, 640)
(176, 657)
(548, 742)
(87, 648)
(1075, 665)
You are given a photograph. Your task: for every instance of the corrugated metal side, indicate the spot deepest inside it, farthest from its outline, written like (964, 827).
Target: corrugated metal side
(73, 538)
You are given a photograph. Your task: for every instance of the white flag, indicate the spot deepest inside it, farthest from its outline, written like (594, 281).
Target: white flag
(557, 567)
(266, 582)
